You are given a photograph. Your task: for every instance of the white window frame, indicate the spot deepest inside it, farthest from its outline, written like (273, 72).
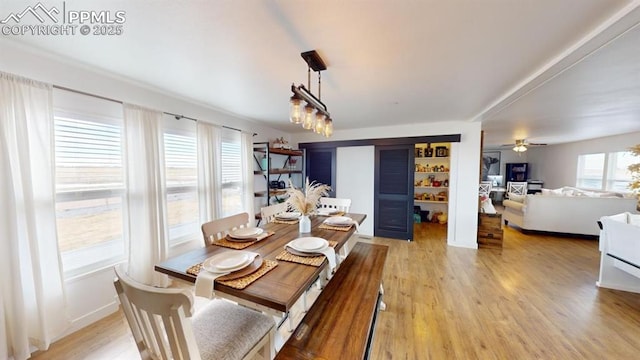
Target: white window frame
(608, 177)
(77, 262)
(231, 137)
(171, 126)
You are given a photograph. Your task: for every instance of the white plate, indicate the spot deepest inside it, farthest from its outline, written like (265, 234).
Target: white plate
(339, 220)
(288, 215)
(309, 244)
(228, 261)
(327, 211)
(245, 233)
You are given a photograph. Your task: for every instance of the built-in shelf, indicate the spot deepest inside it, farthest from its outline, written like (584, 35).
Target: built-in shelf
(432, 187)
(280, 151)
(429, 202)
(433, 158)
(432, 172)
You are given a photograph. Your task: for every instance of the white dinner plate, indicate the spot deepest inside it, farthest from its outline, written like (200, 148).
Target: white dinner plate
(228, 261)
(309, 244)
(339, 220)
(245, 233)
(288, 215)
(327, 211)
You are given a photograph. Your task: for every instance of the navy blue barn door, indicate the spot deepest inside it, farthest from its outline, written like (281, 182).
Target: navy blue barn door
(393, 191)
(321, 167)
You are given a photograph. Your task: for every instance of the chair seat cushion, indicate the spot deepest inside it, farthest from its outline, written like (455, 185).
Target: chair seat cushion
(225, 331)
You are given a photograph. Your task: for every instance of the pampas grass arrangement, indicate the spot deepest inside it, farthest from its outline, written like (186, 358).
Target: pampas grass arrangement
(306, 202)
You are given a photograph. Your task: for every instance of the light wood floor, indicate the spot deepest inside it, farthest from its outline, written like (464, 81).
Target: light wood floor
(534, 299)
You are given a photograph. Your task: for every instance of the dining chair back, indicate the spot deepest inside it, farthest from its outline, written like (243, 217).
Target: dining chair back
(517, 188)
(268, 213)
(484, 188)
(219, 228)
(335, 203)
(164, 324)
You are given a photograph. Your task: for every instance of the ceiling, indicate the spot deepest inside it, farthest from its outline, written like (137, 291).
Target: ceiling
(549, 71)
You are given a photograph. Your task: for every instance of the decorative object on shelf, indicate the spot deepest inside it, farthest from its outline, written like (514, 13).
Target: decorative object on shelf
(442, 151)
(428, 152)
(442, 218)
(264, 162)
(323, 124)
(281, 143)
(292, 163)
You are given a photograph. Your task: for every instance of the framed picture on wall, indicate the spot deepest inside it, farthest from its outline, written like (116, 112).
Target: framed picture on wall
(490, 163)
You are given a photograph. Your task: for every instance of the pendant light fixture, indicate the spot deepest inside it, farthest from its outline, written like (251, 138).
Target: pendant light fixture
(320, 122)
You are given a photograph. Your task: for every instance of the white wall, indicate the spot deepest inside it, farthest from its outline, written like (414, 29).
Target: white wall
(92, 296)
(463, 180)
(349, 183)
(557, 165)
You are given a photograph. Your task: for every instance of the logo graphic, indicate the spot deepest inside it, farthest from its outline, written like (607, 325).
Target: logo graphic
(39, 20)
(34, 11)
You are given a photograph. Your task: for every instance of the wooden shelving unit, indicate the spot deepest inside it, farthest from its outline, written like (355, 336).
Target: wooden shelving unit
(277, 167)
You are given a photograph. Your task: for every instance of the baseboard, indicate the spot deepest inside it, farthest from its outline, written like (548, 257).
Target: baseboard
(618, 287)
(90, 318)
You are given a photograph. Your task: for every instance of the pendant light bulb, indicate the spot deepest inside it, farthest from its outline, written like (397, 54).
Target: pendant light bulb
(295, 110)
(307, 124)
(328, 127)
(318, 128)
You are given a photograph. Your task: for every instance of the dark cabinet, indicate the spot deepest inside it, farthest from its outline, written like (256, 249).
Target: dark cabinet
(517, 171)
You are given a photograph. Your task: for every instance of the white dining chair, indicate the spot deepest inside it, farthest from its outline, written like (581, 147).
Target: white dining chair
(516, 188)
(484, 188)
(268, 213)
(165, 326)
(335, 203)
(217, 229)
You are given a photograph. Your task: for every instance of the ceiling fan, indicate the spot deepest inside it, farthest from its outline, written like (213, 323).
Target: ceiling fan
(521, 145)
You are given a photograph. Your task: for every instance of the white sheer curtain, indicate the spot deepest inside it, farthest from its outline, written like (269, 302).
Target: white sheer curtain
(32, 300)
(148, 239)
(247, 174)
(209, 171)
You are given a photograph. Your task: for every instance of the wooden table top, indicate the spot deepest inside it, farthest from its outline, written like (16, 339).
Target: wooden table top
(279, 288)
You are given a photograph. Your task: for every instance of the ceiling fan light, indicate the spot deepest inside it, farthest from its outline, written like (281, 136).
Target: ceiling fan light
(519, 148)
(295, 111)
(308, 117)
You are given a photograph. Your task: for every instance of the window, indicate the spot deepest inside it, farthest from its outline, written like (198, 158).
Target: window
(590, 171)
(90, 191)
(232, 179)
(618, 174)
(605, 171)
(180, 156)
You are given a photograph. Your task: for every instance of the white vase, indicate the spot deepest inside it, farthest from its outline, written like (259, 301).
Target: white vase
(304, 224)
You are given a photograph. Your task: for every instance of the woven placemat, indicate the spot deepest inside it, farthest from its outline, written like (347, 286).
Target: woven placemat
(339, 213)
(195, 269)
(333, 227)
(245, 281)
(287, 222)
(239, 245)
(305, 260)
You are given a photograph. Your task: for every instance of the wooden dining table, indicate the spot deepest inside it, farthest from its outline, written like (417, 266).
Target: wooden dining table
(278, 290)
